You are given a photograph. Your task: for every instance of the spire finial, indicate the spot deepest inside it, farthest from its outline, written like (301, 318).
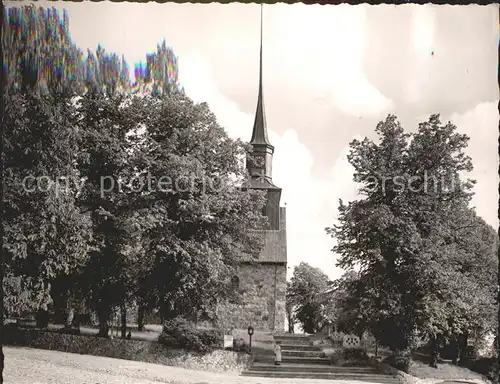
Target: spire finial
(259, 134)
(260, 63)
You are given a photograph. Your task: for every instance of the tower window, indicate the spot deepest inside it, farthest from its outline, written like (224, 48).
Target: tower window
(235, 282)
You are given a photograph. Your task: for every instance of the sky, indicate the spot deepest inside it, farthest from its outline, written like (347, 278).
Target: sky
(330, 74)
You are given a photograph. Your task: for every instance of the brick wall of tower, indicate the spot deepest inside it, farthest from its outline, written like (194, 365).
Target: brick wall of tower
(262, 303)
(261, 298)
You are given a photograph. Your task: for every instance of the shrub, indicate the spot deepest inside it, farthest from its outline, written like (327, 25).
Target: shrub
(178, 333)
(399, 360)
(349, 357)
(357, 354)
(240, 345)
(337, 358)
(210, 337)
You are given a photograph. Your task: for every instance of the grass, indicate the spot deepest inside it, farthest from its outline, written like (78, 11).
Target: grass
(445, 371)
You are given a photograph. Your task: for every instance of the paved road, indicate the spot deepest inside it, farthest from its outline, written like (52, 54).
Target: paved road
(36, 366)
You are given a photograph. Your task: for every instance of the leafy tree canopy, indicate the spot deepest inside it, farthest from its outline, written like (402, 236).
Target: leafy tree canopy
(413, 236)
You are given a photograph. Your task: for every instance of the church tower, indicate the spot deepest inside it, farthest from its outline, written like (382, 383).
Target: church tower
(259, 161)
(262, 284)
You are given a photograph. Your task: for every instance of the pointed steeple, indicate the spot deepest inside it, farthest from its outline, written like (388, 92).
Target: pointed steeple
(259, 134)
(259, 160)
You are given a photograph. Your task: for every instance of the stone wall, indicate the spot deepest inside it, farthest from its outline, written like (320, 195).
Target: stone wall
(261, 305)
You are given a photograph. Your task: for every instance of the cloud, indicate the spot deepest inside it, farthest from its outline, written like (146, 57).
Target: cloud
(423, 42)
(423, 30)
(330, 65)
(195, 75)
(311, 201)
(481, 123)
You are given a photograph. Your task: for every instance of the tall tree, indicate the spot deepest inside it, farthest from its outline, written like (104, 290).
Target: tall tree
(2, 208)
(42, 73)
(339, 310)
(162, 69)
(197, 218)
(399, 234)
(307, 295)
(45, 232)
(105, 120)
(38, 50)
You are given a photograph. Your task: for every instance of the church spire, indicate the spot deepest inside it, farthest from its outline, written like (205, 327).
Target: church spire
(259, 134)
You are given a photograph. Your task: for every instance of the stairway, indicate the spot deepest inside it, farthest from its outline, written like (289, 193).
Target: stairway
(300, 359)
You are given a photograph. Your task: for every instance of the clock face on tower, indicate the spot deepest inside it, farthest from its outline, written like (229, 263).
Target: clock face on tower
(259, 161)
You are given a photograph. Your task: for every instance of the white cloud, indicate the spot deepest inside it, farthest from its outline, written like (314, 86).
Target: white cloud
(195, 74)
(330, 65)
(481, 124)
(423, 25)
(423, 30)
(311, 201)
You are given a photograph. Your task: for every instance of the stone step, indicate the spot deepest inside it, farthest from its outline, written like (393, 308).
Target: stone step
(290, 335)
(294, 360)
(302, 353)
(270, 367)
(370, 378)
(298, 347)
(293, 341)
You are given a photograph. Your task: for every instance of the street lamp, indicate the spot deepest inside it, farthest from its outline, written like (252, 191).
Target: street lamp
(250, 333)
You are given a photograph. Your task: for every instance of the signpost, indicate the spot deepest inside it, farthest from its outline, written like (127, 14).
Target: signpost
(250, 333)
(228, 341)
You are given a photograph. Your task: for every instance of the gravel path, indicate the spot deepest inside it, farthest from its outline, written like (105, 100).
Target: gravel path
(36, 366)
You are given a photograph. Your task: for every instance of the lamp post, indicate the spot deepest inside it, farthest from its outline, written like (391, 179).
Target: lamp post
(250, 333)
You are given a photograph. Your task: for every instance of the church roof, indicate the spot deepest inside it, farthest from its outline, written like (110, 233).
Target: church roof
(259, 133)
(259, 183)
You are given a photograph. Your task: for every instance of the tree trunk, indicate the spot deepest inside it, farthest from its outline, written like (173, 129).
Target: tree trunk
(2, 259)
(42, 319)
(103, 316)
(123, 315)
(496, 376)
(69, 318)
(290, 324)
(456, 350)
(140, 317)
(463, 348)
(434, 352)
(162, 308)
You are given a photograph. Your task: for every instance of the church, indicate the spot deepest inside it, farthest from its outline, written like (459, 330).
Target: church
(262, 284)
